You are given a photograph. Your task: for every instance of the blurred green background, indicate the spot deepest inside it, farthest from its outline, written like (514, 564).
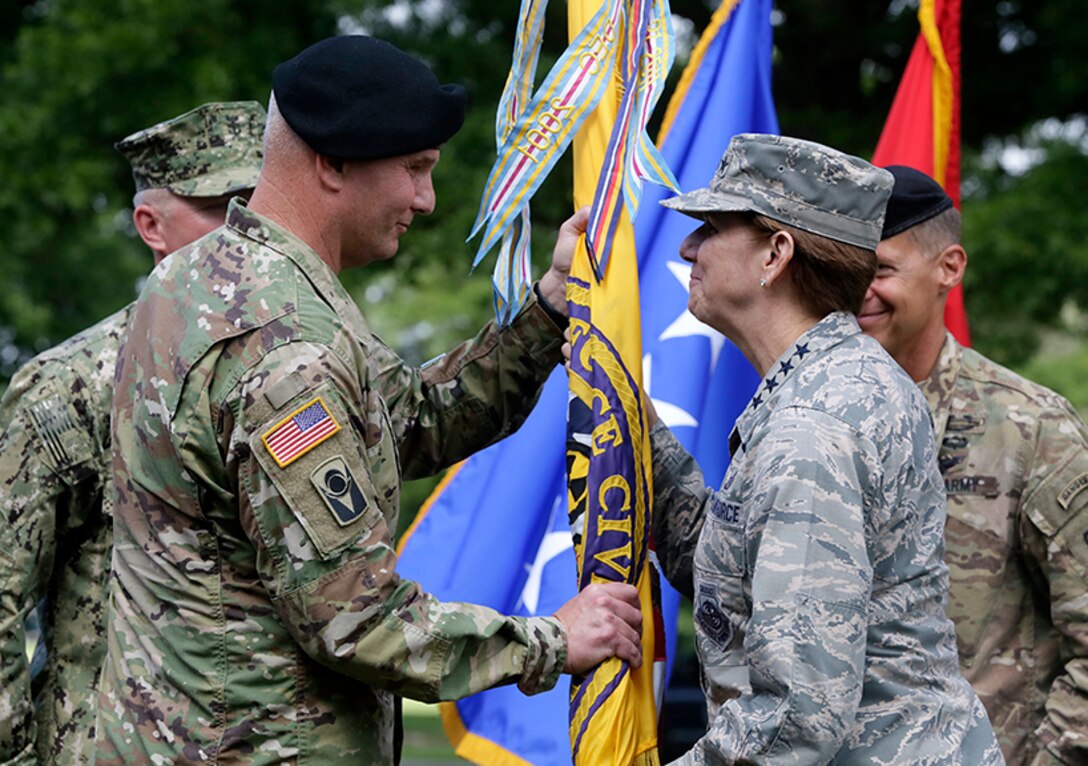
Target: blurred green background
(77, 75)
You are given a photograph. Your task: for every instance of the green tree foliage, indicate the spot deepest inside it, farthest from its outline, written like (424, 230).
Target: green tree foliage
(1027, 243)
(77, 75)
(838, 64)
(1065, 371)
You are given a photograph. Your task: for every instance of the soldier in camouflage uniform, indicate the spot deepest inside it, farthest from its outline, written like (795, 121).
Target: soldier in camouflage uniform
(260, 437)
(817, 570)
(55, 526)
(1014, 456)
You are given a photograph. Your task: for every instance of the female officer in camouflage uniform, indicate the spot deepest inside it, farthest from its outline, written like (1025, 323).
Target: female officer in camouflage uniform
(817, 570)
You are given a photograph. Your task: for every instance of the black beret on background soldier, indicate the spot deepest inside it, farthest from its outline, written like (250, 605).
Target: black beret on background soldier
(55, 493)
(261, 437)
(1014, 458)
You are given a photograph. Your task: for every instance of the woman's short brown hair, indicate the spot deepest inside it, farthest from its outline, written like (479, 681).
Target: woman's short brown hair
(829, 275)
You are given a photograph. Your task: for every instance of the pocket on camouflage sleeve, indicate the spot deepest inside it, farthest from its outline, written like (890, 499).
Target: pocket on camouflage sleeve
(1058, 507)
(308, 450)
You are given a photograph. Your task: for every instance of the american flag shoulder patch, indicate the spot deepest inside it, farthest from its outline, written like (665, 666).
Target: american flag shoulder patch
(300, 432)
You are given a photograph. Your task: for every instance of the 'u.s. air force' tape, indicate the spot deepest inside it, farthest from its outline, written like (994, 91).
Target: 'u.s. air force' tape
(339, 489)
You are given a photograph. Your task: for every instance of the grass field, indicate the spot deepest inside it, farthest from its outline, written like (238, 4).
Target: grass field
(425, 741)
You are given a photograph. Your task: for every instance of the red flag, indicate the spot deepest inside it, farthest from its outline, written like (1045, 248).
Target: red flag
(923, 127)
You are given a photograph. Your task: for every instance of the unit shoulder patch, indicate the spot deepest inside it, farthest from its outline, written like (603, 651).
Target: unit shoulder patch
(324, 481)
(339, 489)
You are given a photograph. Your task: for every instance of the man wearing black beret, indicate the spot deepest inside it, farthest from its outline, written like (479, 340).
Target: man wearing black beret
(260, 436)
(1014, 456)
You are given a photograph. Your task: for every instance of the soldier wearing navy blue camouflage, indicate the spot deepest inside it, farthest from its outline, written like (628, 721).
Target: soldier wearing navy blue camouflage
(55, 500)
(817, 569)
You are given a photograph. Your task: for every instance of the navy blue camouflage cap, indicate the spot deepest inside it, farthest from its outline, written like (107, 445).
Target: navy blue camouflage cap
(799, 183)
(210, 151)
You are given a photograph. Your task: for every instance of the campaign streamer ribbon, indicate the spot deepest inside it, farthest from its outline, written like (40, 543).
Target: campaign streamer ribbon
(647, 162)
(511, 277)
(631, 157)
(539, 136)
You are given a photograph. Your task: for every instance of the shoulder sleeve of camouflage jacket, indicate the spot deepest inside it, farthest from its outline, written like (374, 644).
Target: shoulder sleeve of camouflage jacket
(1055, 502)
(680, 497)
(40, 442)
(311, 507)
(470, 397)
(810, 582)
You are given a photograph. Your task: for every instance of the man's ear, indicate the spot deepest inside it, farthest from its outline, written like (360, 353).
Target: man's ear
(149, 224)
(330, 172)
(951, 263)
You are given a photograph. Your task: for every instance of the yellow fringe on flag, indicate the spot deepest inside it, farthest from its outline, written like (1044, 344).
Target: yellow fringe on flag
(471, 747)
(942, 89)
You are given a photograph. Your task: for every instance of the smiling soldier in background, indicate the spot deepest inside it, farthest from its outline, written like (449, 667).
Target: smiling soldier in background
(1014, 457)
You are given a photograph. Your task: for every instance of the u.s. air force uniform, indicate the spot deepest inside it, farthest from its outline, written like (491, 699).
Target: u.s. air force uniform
(261, 432)
(1014, 456)
(55, 534)
(817, 570)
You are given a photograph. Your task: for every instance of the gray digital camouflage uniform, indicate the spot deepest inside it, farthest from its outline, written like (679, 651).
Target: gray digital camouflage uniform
(55, 526)
(54, 542)
(800, 183)
(259, 444)
(1015, 461)
(818, 578)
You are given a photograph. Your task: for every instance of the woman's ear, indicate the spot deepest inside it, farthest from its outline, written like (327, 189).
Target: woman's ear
(777, 257)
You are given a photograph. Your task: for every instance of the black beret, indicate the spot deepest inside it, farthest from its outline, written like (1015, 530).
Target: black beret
(915, 198)
(358, 98)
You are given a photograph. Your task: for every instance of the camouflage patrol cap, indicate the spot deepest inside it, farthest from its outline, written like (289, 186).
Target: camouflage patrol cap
(799, 183)
(212, 150)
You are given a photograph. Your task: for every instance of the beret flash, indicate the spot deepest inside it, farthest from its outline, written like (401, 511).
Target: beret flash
(359, 98)
(915, 199)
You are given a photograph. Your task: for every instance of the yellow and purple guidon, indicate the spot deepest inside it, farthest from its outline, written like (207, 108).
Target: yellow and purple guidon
(300, 432)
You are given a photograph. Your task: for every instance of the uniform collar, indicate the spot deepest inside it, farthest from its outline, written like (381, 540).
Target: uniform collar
(256, 227)
(941, 383)
(829, 331)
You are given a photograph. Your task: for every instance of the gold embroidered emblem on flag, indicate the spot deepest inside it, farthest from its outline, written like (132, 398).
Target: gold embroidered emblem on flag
(300, 432)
